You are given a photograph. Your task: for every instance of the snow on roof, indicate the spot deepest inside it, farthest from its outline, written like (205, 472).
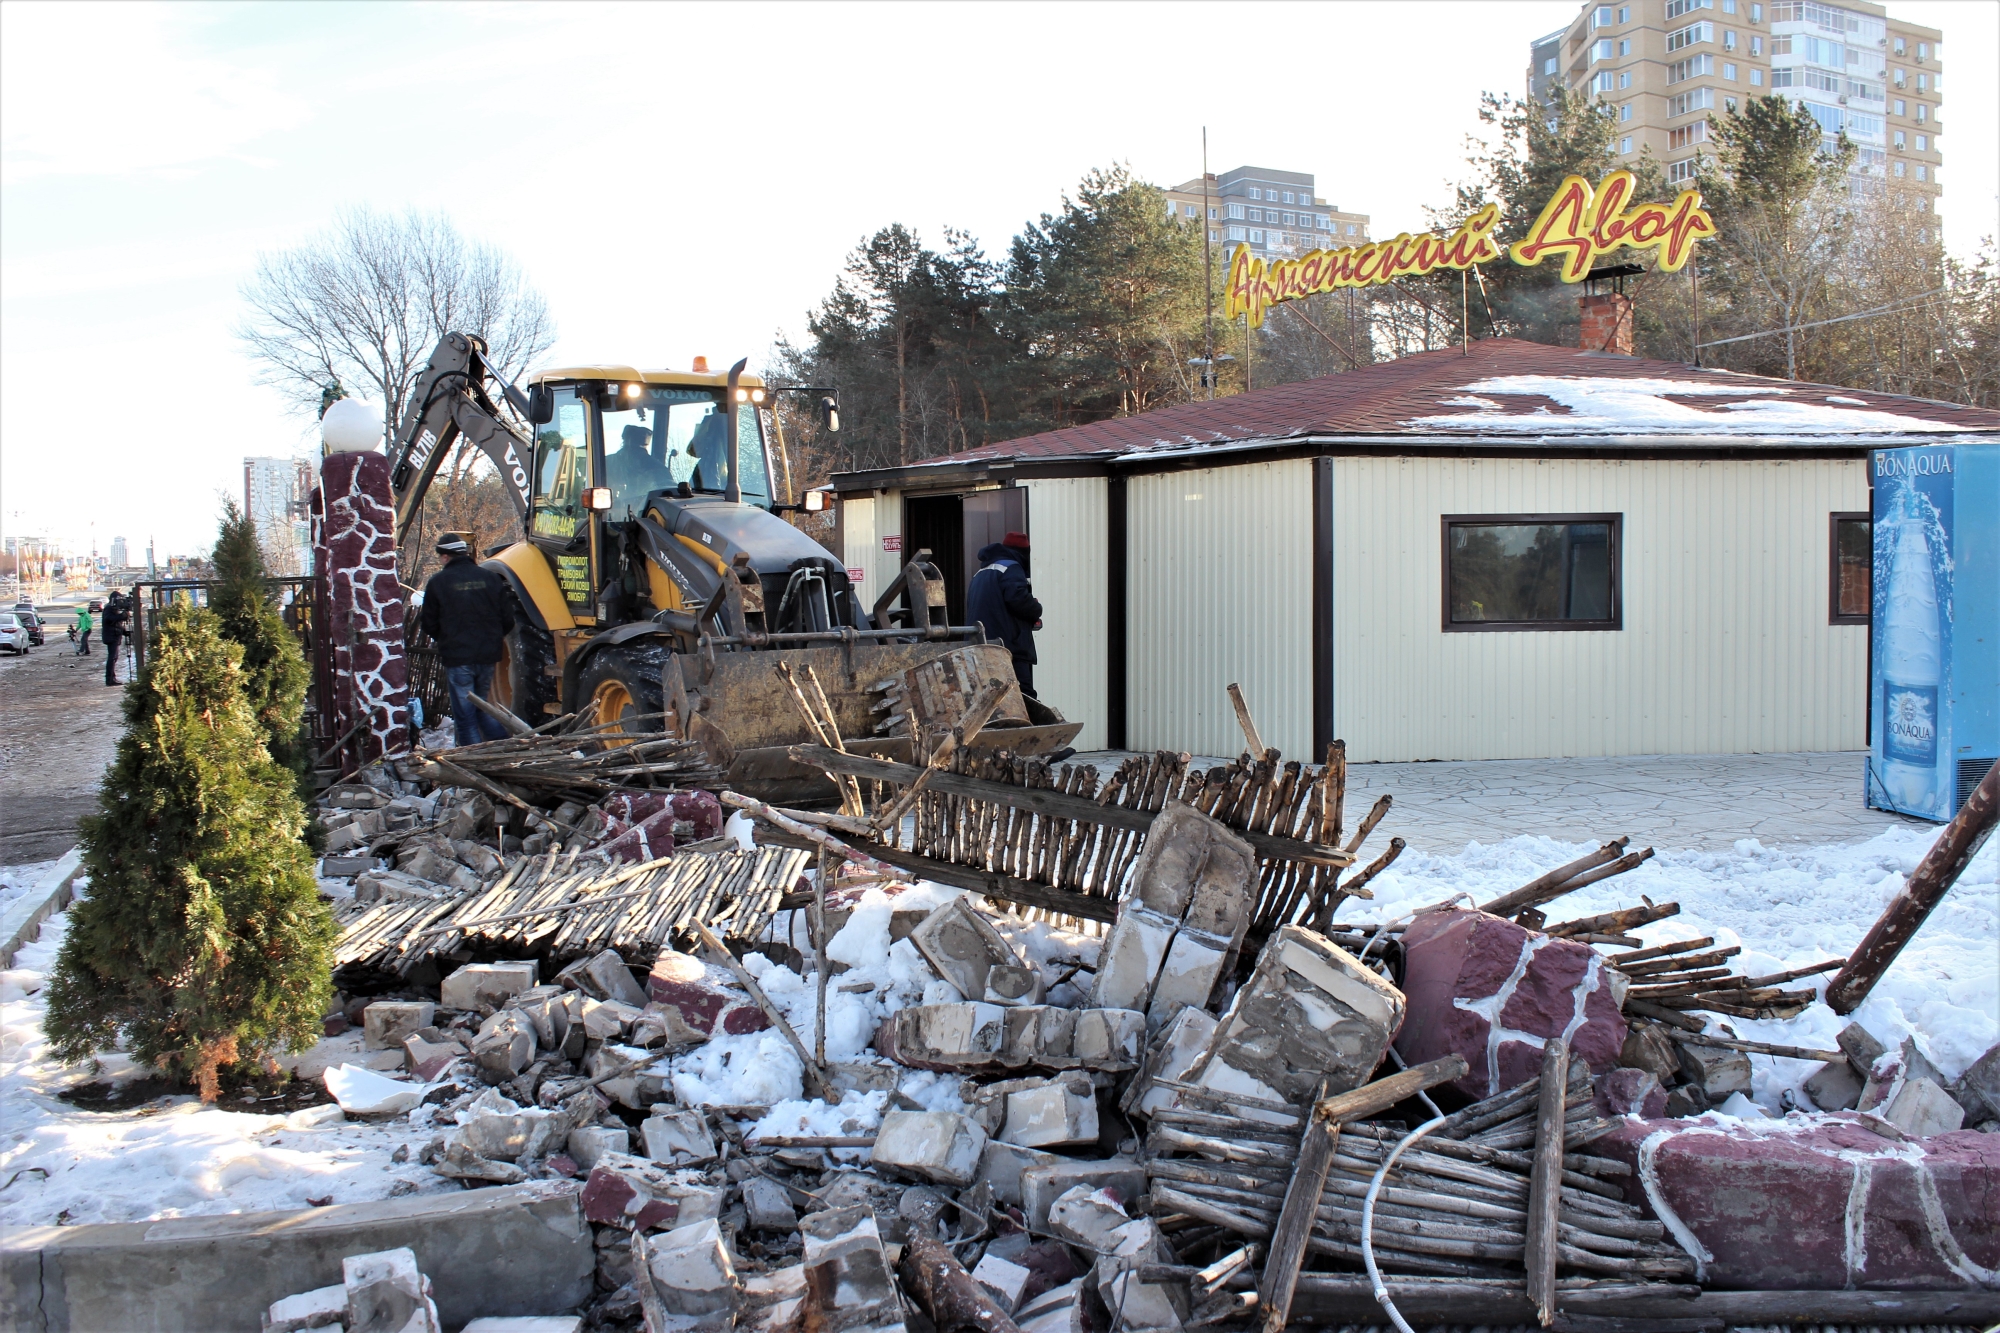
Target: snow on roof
(1648, 407)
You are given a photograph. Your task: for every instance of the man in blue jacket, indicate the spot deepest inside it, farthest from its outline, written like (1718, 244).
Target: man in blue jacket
(1001, 600)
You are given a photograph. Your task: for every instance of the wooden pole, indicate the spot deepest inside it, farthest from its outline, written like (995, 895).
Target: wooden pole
(1245, 721)
(1545, 1182)
(1294, 1229)
(939, 1284)
(1921, 894)
(819, 952)
(815, 1073)
(1532, 894)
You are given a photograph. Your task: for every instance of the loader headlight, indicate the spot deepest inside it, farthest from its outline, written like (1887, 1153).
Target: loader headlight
(815, 501)
(756, 395)
(632, 390)
(597, 499)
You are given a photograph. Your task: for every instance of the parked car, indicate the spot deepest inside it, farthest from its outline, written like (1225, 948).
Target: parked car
(31, 621)
(13, 634)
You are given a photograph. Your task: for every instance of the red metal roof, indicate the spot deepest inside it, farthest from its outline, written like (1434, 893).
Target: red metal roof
(1488, 390)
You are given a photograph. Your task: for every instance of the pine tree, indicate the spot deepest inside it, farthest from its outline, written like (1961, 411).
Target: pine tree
(275, 674)
(203, 942)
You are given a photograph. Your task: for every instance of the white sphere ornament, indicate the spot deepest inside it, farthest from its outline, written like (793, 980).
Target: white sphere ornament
(351, 426)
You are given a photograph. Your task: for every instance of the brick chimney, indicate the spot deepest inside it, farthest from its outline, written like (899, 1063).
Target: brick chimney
(1607, 323)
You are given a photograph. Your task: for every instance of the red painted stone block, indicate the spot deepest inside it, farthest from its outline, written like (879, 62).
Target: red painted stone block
(1494, 992)
(686, 984)
(1819, 1202)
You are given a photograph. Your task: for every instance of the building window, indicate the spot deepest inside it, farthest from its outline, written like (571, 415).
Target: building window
(1900, 104)
(1624, 13)
(1192, 211)
(1624, 78)
(1676, 8)
(1852, 552)
(1682, 171)
(1756, 81)
(1256, 193)
(1687, 134)
(1691, 35)
(1624, 46)
(1901, 48)
(1729, 6)
(1696, 99)
(1729, 39)
(1291, 219)
(1729, 103)
(1899, 78)
(1256, 236)
(1899, 170)
(1531, 571)
(1324, 222)
(1602, 18)
(1923, 113)
(1923, 82)
(1605, 48)
(1756, 45)
(1923, 143)
(1693, 67)
(1625, 113)
(1549, 66)
(1756, 13)
(1602, 83)
(1729, 71)
(1214, 236)
(1923, 50)
(1900, 142)
(1235, 211)
(1625, 146)
(1350, 229)
(1921, 170)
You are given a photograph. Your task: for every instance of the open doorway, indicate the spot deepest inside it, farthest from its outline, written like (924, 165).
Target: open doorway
(954, 527)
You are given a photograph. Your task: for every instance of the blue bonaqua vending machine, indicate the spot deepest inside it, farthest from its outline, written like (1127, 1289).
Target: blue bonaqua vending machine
(1934, 681)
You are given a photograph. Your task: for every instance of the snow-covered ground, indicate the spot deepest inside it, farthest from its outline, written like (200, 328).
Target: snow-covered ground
(17, 882)
(1786, 908)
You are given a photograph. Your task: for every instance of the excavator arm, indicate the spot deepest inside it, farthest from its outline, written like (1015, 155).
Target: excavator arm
(450, 402)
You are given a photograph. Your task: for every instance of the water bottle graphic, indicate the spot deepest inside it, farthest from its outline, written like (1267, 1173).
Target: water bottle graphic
(1912, 664)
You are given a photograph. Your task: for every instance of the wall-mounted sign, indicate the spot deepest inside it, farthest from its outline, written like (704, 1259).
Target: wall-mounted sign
(892, 541)
(1580, 223)
(854, 575)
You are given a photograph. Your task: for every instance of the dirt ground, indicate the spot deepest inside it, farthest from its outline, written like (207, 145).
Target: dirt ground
(58, 730)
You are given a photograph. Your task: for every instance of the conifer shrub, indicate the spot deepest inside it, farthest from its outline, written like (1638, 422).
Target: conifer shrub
(275, 674)
(202, 942)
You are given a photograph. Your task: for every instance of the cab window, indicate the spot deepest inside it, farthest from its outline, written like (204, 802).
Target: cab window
(562, 468)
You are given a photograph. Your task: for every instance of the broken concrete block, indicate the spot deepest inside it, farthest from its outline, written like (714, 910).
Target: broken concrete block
(683, 986)
(1920, 1108)
(307, 1311)
(1009, 985)
(632, 1192)
(943, 1036)
(394, 886)
(1041, 1186)
(1196, 868)
(1088, 1218)
(768, 1206)
(1141, 1304)
(1004, 1281)
(963, 946)
(1648, 1048)
(1310, 1012)
(588, 1145)
(1108, 1039)
(1890, 1072)
(344, 838)
(385, 1023)
(1625, 1091)
(1060, 1113)
(461, 1163)
(480, 859)
(526, 1323)
(1834, 1086)
(1686, 1100)
(528, 1132)
(1060, 1309)
(1037, 1033)
(1131, 957)
(1978, 1088)
(612, 979)
(678, 1138)
(386, 1294)
(1001, 1166)
(362, 1091)
(1171, 1055)
(427, 863)
(850, 1284)
(1716, 1070)
(506, 1046)
(691, 1270)
(547, 1009)
(863, 1076)
(986, 1103)
(1861, 1048)
(1826, 1205)
(1494, 992)
(426, 1059)
(940, 1146)
(486, 985)
(771, 1300)
(1188, 975)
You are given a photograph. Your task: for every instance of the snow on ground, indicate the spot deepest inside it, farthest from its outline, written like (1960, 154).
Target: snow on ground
(1787, 908)
(17, 882)
(171, 1157)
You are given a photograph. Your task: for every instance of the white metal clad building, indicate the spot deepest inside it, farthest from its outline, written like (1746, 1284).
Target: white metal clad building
(1520, 552)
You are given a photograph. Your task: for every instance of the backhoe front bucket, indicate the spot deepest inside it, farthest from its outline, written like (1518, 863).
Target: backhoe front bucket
(740, 707)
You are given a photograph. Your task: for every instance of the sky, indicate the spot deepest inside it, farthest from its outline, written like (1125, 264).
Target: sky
(678, 180)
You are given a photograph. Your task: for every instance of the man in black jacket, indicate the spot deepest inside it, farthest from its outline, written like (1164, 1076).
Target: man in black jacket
(117, 613)
(468, 612)
(1001, 600)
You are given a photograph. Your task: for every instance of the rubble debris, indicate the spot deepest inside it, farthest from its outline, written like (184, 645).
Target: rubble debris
(485, 985)
(325, 1307)
(362, 1091)
(847, 1275)
(1715, 1070)
(959, 942)
(691, 1270)
(386, 1294)
(940, 1146)
(1120, 1177)
(934, 1278)
(1184, 916)
(767, 1206)
(386, 1023)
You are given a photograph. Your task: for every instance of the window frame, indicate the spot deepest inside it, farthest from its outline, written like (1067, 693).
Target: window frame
(1617, 561)
(1833, 522)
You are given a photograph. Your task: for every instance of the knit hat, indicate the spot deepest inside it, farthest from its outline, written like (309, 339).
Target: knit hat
(1017, 540)
(453, 544)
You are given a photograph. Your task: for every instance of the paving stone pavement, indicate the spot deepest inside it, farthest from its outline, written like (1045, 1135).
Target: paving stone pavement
(1672, 802)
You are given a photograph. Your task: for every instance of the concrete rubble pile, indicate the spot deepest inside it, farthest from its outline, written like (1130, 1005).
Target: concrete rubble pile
(386, 1293)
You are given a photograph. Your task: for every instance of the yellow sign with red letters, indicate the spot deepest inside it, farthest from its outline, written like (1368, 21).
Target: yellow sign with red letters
(1578, 224)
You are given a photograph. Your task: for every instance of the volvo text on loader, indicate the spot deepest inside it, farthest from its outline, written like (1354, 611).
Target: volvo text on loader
(659, 587)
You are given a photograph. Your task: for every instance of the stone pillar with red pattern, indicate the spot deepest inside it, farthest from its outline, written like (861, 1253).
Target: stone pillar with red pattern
(354, 541)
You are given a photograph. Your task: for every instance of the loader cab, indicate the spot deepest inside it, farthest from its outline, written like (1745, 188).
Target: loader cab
(614, 436)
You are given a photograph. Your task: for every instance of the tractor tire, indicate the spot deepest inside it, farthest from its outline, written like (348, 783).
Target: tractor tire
(527, 682)
(624, 681)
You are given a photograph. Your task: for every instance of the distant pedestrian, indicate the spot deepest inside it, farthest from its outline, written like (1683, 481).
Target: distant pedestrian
(83, 628)
(468, 612)
(117, 615)
(1001, 599)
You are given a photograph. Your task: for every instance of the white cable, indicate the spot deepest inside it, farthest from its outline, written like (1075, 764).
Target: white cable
(1368, 1222)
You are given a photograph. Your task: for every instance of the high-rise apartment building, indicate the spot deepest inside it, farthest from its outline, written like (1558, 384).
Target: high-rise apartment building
(118, 556)
(275, 492)
(1274, 212)
(1664, 68)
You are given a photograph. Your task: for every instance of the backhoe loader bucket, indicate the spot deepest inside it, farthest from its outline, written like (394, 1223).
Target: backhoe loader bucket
(741, 709)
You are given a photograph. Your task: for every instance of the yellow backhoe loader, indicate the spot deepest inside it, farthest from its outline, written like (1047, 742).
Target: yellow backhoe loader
(659, 586)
